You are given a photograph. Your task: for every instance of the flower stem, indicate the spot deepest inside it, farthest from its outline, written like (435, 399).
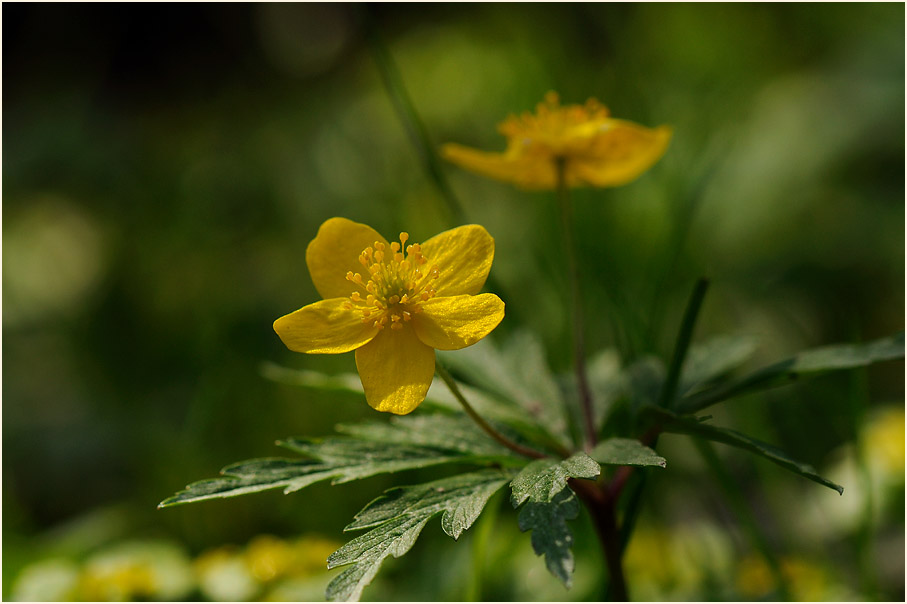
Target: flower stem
(455, 390)
(406, 112)
(579, 346)
(602, 508)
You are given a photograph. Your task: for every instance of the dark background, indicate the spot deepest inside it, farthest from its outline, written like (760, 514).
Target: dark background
(165, 166)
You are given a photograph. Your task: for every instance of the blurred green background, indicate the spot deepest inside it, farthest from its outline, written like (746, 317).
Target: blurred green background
(165, 167)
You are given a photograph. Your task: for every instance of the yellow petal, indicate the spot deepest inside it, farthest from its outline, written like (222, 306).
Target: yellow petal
(324, 327)
(335, 251)
(455, 322)
(619, 155)
(528, 171)
(463, 256)
(396, 370)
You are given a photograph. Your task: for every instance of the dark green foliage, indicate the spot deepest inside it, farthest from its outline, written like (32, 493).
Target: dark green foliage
(396, 519)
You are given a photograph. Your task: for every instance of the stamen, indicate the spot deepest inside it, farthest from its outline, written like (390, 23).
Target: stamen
(396, 284)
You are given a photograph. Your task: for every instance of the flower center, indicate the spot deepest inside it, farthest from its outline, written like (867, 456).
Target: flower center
(396, 283)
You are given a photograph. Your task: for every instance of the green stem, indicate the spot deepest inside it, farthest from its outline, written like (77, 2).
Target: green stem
(455, 390)
(406, 111)
(748, 522)
(579, 346)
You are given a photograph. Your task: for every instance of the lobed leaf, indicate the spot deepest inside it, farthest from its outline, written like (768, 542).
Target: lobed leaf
(456, 433)
(337, 459)
(438, 397)
(398, 517)
(541, 480)
(626, 452)
(810, 362)
(551, 537)
(517, 373)
(550, 504)
(671, 422)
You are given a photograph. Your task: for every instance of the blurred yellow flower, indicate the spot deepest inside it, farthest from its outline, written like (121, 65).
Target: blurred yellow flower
(594, 149)
(883, 440)
(806, 581)
(412, 300)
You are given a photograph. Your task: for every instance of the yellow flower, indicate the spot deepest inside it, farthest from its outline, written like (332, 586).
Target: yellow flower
(394, 304)
(596, 150)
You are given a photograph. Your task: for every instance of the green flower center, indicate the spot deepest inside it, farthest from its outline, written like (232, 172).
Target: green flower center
(397, 283)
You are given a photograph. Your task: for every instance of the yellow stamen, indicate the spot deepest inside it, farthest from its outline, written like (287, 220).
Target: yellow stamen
(395, 284)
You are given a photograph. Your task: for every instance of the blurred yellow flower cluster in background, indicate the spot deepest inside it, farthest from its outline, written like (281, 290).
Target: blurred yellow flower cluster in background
(267, 568)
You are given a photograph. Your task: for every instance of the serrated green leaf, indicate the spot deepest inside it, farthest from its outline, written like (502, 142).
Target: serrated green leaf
(394, 538)
(710, 360)
(337, 459)
(461, 499)
(398, 517)
(456, 433)
(551, 536)
(671, 422)
(517, 373)
(438, 398)
(626, 452)
(810, 362)
(542, 479)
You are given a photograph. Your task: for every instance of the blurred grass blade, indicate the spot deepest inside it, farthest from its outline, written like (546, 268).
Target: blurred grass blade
(710, 360)
(748, 522)
(671, 422)
(406, 111)
(683, 341)
(810, 362)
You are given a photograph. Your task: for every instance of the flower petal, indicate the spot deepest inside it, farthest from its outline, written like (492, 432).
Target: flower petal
(325, 327)
(455, 322)
(335, 251)
(619, 154)
(528, 171)
(396, 370)
(463, 256)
